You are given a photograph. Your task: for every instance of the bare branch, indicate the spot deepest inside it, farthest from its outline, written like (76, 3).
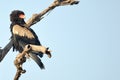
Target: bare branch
(21, 57)
(37, 17)
(19, 60)
(5, 50)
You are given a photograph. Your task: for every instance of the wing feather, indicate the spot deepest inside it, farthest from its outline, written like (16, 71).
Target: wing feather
(22, 31)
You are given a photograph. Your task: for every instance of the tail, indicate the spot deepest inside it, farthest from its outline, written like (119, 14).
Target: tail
(37, 60)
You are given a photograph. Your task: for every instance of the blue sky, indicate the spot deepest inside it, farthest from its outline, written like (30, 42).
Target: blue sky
(84, 39)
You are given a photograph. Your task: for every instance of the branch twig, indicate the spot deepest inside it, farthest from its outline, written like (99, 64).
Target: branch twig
(37, 17)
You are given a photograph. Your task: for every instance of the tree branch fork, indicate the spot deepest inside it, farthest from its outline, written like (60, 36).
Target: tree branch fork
(21, 57)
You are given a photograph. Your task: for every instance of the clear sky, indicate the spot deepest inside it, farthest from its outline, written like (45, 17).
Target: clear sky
(84, 40)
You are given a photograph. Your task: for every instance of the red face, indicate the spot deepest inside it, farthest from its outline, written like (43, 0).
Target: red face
(22, 16)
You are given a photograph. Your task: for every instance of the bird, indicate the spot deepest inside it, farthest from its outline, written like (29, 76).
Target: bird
(22, 35)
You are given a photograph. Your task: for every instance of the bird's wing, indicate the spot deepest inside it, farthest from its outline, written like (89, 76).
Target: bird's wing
(37, 60)
(22, 31)
(27, 37)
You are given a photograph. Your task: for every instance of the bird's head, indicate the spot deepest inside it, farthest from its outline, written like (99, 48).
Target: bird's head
(17, 15)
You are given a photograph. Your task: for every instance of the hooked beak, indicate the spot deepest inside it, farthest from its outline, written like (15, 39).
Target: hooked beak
(22, 16)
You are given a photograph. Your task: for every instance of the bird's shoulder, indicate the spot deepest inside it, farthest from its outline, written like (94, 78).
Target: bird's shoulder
(22, 31)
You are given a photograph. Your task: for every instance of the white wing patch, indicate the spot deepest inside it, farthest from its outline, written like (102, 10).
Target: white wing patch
(22, 31)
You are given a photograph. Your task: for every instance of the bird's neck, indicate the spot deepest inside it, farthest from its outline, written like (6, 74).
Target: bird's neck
(20, 22)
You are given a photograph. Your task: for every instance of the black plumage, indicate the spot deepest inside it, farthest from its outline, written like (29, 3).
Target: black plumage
(60, 0)
(23, 35)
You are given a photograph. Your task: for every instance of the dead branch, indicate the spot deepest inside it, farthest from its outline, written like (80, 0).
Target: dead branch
(5, 50)
(21, 57)
(37, 17)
